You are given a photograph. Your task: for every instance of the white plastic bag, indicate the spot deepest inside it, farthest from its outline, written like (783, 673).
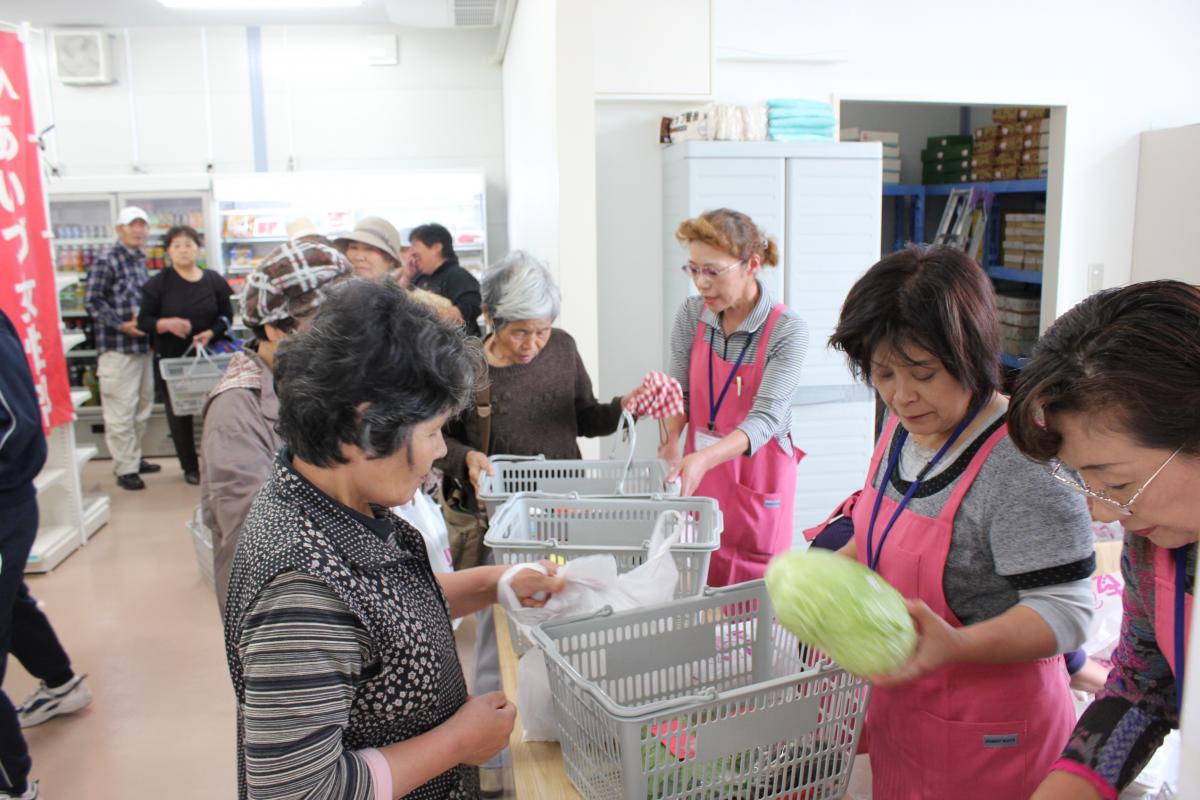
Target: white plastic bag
(534, 699)
(592, 584)
(1105, 631)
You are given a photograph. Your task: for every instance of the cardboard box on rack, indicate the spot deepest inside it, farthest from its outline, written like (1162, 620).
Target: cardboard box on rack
(1013, 260)
(1019, 305)
(948, 140)
(1009, 143)
(1007, 158)
(1032, 171)
(1025, 217)
(1018, 319)
(891, 177)
(985, 133)
(861, 135)
(946, 153)
(891, 165)
(891, 151)
(1008, 114)
(935, 171)
(984, 147)
(982, 161)
(1040, 156)
(1039, 113)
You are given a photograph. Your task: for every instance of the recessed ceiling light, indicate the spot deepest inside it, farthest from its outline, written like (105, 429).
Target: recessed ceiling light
(258, 5)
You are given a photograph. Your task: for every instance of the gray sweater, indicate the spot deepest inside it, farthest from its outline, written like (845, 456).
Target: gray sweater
(1019, 537)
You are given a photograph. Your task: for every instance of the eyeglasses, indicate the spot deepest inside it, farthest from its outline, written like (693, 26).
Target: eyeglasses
(1073, 480)
(708, 272)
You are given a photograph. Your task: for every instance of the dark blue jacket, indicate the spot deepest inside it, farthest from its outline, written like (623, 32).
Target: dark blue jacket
(22, 443)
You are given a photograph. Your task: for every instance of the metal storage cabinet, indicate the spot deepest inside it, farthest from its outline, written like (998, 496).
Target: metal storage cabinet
(821, 202)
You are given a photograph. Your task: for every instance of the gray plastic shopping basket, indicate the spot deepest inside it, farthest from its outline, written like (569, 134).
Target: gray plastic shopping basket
(704, 697)
(189, 380)
(585, 477)
(532, 527)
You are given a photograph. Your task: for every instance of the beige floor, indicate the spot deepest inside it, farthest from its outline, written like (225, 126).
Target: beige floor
(135, 615)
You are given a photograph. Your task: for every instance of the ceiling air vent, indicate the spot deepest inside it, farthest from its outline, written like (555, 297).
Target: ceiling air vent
(474, 13)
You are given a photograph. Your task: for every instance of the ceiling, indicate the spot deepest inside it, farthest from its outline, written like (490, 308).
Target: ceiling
(134, 13)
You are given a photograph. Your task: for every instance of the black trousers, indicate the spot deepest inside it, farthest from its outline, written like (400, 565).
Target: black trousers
(26, 633)
(183, 428)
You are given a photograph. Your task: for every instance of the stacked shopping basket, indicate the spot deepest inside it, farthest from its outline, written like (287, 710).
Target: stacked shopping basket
(707, 696)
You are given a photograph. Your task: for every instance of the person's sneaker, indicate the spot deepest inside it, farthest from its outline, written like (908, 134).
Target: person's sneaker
(146, 468)
(131, 482)
(192, 477)
(46, 703)
(31, 793)
(491, 782)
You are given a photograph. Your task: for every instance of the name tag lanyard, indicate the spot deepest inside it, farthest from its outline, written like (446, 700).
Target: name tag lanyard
(714, 406)
(873, 554)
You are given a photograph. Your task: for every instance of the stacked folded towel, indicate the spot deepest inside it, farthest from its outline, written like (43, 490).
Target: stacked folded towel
(796, 120)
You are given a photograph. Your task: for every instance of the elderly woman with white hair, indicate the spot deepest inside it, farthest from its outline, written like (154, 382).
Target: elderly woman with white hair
(541, 394)
(541, 401)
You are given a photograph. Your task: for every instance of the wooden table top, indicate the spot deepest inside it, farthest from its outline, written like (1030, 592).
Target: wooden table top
(537, 767)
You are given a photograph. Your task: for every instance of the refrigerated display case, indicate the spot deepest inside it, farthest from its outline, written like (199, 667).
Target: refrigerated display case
(82, 213)
(254, 210)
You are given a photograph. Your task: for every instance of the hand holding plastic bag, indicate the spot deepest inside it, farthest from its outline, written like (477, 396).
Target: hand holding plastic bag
(592, 583)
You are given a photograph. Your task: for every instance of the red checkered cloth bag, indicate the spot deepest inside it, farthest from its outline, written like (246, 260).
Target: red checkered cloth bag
(662, 398)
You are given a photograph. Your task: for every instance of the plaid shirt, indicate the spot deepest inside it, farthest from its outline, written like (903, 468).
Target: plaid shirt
(113, 297)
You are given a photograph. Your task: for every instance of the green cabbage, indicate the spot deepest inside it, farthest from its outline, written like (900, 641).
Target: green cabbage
(843, 609)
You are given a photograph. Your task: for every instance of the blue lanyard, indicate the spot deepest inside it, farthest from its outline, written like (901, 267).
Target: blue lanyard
(1181, 554)
(874, 555)
(714, 408)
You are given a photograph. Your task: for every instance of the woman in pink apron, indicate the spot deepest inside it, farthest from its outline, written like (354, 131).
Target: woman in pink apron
(737, 354)
(1111, 402)
(993, 554)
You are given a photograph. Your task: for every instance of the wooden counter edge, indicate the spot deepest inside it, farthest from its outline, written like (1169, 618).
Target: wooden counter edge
(537, 767)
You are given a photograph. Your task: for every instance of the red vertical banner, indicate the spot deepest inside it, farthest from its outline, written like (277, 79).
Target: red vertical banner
(28, 293)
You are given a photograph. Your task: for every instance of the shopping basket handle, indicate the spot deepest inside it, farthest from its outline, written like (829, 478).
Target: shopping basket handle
(630, 427)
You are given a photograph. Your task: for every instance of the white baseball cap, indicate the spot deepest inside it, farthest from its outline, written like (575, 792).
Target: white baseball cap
(131, 213)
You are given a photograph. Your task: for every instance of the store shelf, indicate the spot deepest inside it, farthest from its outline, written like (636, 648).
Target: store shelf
(1032, 185)
(75, 314)
(71, 340)
(253, 239)
(903, 189)
(48, 478)
(85, 454)
(79, 353)
(53, 544)
(96, 512)
(1013, 362)
(79, 396)
(1016, 275)
(64, 279)
(85, 241)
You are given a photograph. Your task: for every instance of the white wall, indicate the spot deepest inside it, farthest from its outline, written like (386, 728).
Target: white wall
(1119, 70)
(1166, 238)
(549, 119)
(440, 107)
(531, 130)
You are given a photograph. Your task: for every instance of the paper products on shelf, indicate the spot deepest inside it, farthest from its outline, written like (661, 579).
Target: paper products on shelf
(860, 135)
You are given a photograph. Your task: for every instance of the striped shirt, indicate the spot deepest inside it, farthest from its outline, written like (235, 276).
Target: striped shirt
(302, 653)
(771, 413)
(113, 296)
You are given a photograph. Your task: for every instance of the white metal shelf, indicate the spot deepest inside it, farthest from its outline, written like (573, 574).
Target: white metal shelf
(96, 512)
(47, 478)
(53, 544)
(85, 454)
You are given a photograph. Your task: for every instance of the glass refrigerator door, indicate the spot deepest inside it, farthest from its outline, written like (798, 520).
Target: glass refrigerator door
(166, 211)
(255, 211)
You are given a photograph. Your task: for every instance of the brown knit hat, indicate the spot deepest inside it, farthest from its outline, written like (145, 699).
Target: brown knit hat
(292, 281)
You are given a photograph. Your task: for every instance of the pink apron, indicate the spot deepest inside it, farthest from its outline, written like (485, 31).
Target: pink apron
(1170, 633)
(977, 731)
(756, 493)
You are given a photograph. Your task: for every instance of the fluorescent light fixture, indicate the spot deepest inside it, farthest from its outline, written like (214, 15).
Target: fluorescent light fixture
(258, 5)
